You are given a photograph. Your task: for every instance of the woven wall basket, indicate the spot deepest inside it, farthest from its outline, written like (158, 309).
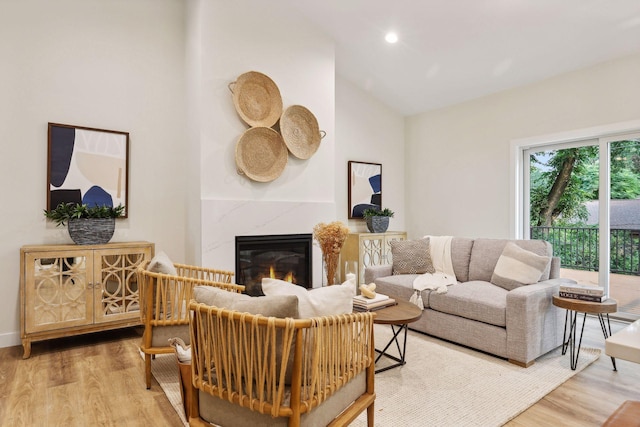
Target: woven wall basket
(91, 231)
(261, 154)
(300, 131)
(257, 99)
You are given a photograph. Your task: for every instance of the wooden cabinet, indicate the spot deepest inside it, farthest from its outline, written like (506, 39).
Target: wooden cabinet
(368, 249)
(73, 289)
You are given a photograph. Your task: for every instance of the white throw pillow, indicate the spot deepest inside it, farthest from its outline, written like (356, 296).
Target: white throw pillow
(162, 264)
(518, 267)
(326, 301)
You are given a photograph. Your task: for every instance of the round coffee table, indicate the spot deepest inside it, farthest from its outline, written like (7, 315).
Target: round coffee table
(398, 316)
(575, 306)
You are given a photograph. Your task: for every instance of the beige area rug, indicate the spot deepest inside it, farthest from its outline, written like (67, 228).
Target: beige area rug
(442, 384)
(164, 369)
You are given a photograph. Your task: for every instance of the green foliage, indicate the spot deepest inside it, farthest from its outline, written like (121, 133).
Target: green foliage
(371, 212)
(66, 211)
(582, 185)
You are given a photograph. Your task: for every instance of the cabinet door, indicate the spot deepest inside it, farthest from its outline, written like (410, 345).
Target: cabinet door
(371, 250)
(57, 291)
(116, 294)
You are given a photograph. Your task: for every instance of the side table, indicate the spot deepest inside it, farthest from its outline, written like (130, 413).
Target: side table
(398, 316)
(575, 306)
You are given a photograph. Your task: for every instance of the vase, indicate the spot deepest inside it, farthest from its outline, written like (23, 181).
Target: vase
(330, 272)
(377, 224)
(91, 231)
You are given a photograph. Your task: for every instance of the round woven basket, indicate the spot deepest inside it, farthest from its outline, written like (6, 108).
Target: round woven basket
(257, 99)
(261, 154)
(300, 131)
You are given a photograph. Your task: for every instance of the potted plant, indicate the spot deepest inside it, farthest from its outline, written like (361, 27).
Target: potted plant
(377, 219)
(88, 225)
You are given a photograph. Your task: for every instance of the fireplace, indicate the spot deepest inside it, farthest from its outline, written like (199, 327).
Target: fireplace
(280, 256)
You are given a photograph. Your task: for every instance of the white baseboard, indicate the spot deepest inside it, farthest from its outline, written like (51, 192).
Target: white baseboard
(10, 339)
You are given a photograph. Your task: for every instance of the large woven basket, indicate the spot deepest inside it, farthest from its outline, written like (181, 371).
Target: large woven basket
(91, 231)
(257, 99)
(300, 131)
(261, 154)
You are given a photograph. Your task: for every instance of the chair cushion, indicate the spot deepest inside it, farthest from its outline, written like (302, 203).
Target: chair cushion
(222, 412)
(270, 306)
(411, 256)
(518, 267)
(326, 301)
(161, 334)
(475, 300)
(280, 306)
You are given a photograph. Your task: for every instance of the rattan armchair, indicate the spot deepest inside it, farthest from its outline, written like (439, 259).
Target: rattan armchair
(164, 299)
(255, 370)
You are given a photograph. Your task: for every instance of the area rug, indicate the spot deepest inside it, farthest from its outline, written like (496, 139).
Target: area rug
(442, 384)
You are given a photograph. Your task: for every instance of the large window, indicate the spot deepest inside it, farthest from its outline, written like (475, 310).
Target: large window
(583, 196)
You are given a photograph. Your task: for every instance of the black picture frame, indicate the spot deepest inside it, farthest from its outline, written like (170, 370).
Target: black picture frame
(87, 165)
(365, 187)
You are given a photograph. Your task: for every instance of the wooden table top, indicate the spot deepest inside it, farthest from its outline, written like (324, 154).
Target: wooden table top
(607, 306)
(402, 313)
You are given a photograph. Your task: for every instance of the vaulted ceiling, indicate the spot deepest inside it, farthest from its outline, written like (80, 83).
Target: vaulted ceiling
(450, 51)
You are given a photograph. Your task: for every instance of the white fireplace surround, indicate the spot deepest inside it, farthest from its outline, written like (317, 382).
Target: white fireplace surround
(222, 220)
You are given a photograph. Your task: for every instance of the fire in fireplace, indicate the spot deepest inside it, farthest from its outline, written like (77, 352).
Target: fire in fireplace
(279, 256)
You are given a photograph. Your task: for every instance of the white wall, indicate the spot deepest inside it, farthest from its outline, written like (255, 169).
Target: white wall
(369, 131)
(252, 35)
(457, 158)
(106, 64)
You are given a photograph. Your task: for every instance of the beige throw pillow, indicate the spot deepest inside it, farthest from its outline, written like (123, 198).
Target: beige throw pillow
(270, 306)
(162, 264)
(411, 256)
(518, 267)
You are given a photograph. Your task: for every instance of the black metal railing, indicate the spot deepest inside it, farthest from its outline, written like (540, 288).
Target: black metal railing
(577, 247)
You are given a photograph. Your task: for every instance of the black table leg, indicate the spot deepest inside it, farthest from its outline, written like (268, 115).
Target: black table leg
(397, 329)
(607, 334)
(570, 328)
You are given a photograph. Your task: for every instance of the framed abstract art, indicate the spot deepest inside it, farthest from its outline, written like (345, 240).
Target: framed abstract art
(88, 166)
(365, 187)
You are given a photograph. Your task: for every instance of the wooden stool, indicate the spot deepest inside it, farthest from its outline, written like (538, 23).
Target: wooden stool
(627, 415)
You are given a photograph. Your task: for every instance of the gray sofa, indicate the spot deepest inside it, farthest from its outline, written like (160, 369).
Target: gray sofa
(519, 324)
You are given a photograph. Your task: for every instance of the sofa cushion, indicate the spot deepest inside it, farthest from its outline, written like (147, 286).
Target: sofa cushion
(326, 301)
(411, 256)
(399, 287)
(486, 252)
(476, 300)
(518, 267)
(460, 257)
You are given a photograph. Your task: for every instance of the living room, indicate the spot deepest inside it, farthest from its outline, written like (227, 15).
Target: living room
(160, 70)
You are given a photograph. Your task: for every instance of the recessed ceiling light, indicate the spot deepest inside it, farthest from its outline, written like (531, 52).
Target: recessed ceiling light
(391, 37)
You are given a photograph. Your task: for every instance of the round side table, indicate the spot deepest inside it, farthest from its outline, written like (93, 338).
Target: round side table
(575, 306)
(398, 316)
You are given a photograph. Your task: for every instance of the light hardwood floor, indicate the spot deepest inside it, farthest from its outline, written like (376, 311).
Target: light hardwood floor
(97, 380)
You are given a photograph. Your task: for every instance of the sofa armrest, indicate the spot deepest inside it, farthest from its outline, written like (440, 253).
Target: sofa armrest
(534, 324)
(376, 271)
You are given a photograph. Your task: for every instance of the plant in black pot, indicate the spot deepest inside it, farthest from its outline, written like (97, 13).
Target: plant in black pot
(377, 219)
(87, 225)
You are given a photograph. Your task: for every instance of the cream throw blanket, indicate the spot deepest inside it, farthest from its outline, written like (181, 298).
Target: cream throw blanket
(440, 249)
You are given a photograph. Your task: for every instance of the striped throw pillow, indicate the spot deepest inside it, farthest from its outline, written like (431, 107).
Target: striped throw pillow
(518, 267)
